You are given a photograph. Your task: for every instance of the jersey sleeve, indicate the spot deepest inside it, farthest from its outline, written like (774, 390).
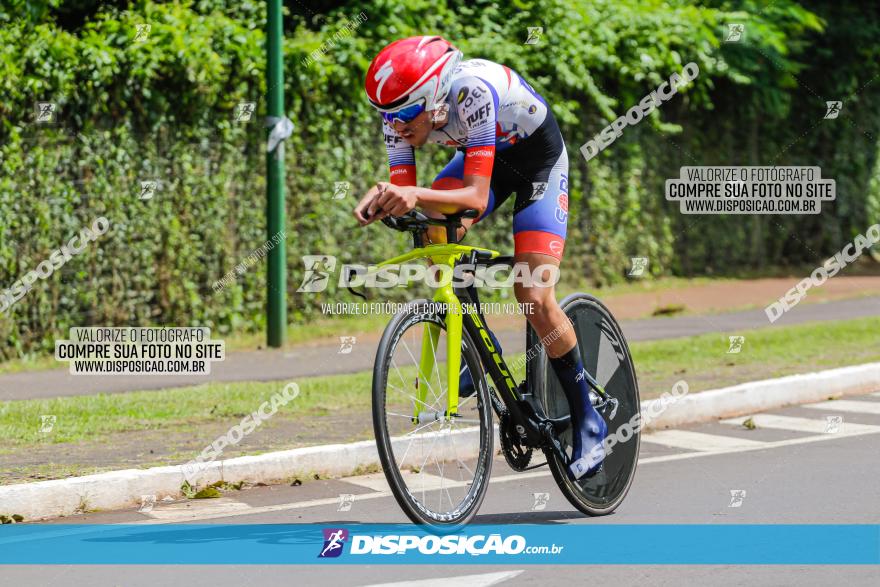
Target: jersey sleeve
(401, 157)
(477, 106)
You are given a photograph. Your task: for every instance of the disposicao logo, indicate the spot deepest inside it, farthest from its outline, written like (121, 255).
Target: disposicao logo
(334, 539)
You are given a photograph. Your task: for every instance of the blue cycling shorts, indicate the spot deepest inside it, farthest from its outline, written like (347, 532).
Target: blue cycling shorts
(536, 170)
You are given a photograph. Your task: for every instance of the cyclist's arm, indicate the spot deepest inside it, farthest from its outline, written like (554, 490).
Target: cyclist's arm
(396, 200)
(473, 195)
(401, 157)
(401, 172)
(477, 105)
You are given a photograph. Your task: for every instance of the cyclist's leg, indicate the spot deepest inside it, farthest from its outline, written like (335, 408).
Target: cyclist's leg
(452, 178)
(539, 227)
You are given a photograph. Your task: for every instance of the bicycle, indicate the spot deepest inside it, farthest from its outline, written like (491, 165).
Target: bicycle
(425, 432)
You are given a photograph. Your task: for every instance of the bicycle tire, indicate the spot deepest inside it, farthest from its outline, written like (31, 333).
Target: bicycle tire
(422, 311)
(602, 493)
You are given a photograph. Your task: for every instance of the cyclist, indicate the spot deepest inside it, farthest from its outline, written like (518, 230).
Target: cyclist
(507, 142)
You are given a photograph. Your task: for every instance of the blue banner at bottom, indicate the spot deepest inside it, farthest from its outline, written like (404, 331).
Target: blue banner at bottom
(293, 544)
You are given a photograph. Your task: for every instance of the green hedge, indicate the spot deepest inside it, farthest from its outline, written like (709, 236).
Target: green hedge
(162, 108)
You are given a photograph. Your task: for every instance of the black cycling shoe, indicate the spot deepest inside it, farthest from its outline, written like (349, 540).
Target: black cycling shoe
(588, 447)
(466, 383)
(588, 428)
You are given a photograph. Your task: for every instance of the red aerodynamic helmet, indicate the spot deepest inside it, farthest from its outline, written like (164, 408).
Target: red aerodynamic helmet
(412, 74)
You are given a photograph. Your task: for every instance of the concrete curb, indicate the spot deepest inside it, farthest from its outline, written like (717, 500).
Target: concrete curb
(122, 489)
(768, 394)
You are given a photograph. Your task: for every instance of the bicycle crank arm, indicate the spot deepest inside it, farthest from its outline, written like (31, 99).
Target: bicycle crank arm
(551, 442)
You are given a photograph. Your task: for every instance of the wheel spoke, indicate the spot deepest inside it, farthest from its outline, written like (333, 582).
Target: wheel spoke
(430, 387)
(422, 467)
(428, 447)
(412, 397)
(460, 461)
(422, 427)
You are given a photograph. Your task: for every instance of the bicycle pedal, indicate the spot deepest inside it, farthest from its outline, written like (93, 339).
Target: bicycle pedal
(614, 405)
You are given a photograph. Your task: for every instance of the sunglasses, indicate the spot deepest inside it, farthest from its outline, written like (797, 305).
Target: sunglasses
(405, 115)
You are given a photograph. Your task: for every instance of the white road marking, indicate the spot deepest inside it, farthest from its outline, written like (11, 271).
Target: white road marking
(335, 500)
(534, 474)
(690, 440)
(484, 580)
(416, 482)
(761, 446)
(374, 481)
(205, 510)
(813, 426)
(846, 405)
(195, 509)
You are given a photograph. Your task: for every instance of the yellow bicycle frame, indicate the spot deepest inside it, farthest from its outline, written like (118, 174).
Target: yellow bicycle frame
(440, 254)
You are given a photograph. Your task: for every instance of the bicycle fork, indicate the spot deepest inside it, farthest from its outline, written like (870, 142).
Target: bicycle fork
(445, 297)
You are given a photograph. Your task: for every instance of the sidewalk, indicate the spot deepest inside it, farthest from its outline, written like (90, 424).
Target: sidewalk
(325, 359)
(126, 488)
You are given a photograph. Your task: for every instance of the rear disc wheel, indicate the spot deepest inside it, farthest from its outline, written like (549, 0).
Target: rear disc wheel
(606, 357)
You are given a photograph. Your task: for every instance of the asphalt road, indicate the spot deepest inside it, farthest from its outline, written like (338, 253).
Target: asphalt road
(308, 361)
(795, 467)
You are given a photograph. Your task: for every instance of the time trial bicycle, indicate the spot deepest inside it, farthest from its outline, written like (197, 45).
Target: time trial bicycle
(436, 444)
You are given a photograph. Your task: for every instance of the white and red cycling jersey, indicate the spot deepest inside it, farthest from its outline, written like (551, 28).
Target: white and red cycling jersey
(504, 130)
(490, 108)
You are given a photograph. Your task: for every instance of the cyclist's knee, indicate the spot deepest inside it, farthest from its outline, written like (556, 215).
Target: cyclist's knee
(536, 301)
(447, 183)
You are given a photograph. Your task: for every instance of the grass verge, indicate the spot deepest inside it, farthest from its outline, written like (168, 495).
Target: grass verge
(327, 329)
(336, 408)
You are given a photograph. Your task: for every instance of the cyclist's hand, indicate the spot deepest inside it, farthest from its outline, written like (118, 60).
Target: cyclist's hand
(393, 200)
(360, 211)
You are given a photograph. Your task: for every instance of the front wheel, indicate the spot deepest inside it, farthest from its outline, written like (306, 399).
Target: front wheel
(606, 357)
(436, 463)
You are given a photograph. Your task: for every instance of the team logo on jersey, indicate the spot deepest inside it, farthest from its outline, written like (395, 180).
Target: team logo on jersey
(538, 190)
(562, 208)
(475, 94)
(462, 94)
(556, 247)
(562, 200)
(392, 140)
(480, 113)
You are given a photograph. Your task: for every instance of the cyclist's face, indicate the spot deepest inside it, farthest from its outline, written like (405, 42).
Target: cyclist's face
(416, 131)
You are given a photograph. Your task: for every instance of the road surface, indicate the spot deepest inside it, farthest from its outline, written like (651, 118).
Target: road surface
(814, 463)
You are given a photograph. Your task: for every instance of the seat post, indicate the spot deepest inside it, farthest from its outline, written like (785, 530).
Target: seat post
(452, 233)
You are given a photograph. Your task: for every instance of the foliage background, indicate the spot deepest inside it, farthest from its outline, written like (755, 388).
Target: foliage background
(162, 108)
